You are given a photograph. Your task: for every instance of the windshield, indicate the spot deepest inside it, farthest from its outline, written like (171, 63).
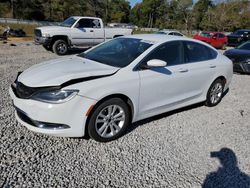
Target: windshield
(244, 46)
(118, 52)
(205, 34)
(68, 22)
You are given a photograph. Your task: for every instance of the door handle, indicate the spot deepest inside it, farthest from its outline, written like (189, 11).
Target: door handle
(91, 31)
(183, 70)
(212, 66)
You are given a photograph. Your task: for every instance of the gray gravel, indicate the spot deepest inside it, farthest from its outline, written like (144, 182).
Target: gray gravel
(171, 150)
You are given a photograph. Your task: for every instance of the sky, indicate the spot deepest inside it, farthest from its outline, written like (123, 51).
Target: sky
(133, 2)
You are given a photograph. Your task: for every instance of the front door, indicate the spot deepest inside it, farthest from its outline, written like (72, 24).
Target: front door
(83, 33)
(165, 86)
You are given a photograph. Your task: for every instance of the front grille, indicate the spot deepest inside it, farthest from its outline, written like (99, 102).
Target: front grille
(38, 33)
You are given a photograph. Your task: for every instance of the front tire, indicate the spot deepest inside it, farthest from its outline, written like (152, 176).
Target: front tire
(109, 120)
(60, 47)
(215, 93)
(48, 48)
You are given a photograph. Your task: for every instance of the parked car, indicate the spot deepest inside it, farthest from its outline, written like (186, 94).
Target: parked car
(170, 32)
(17, 33)
(240, 57)
(215, 39)
(4, 33)
(100, 92)
(238, 37)
(76, 31)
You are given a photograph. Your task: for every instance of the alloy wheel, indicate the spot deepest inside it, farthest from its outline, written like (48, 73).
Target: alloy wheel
(110, 121)
(216, 93)
(61, 48)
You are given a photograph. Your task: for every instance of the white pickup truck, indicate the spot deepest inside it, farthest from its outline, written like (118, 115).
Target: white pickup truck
(76, 31)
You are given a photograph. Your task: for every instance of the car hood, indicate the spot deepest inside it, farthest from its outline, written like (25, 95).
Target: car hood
(52, 29)
(237, 52)
(57, 72)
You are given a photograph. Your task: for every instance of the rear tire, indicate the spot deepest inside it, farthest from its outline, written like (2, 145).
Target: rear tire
(60, 47)
(215, 93)
(109, 120)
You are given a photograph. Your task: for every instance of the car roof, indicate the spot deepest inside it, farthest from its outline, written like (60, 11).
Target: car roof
(88, 17)
(156, 38)
(213, 32)
(168, 31)
(243, 30)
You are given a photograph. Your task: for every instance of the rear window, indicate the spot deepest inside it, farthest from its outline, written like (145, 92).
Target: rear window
(239, 32)
(195, 52)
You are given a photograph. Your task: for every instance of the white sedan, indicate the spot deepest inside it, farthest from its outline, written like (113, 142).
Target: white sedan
(102, 91)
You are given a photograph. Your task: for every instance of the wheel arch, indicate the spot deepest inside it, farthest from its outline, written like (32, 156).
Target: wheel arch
(60, 37)
(223, 78)
(123, 97)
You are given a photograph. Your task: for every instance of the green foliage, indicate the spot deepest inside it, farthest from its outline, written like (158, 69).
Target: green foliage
(3, 8)
(199, 11)
(227, 16)
(171, 14)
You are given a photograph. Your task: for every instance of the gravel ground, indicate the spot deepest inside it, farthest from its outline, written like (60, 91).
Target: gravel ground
(170, 150)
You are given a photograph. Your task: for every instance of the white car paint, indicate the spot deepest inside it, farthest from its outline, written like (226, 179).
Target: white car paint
(150, 92)
(170, 32)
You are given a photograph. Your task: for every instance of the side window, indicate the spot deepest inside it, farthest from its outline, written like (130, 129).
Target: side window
(216, 35)
(171, 33)
(85, 23)
(221, 35)
(195, 52)
(96, 24)
(171, 52)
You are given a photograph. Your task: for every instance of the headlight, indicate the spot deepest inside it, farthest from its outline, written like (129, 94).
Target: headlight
(55, 97)
(46, 35)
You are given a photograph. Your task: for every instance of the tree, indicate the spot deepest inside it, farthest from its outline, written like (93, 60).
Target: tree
(227, 16)
(199, 11)
(119, 11)
(184, 11)
(3, 9)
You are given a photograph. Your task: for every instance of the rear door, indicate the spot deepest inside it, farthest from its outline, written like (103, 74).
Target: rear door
(201, 65)
(215, 41)
(223, 40)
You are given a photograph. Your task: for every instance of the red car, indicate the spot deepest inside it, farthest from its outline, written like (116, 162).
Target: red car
(215, 39)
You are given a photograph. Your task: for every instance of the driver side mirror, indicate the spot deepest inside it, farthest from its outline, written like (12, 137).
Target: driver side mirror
(153, 63)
